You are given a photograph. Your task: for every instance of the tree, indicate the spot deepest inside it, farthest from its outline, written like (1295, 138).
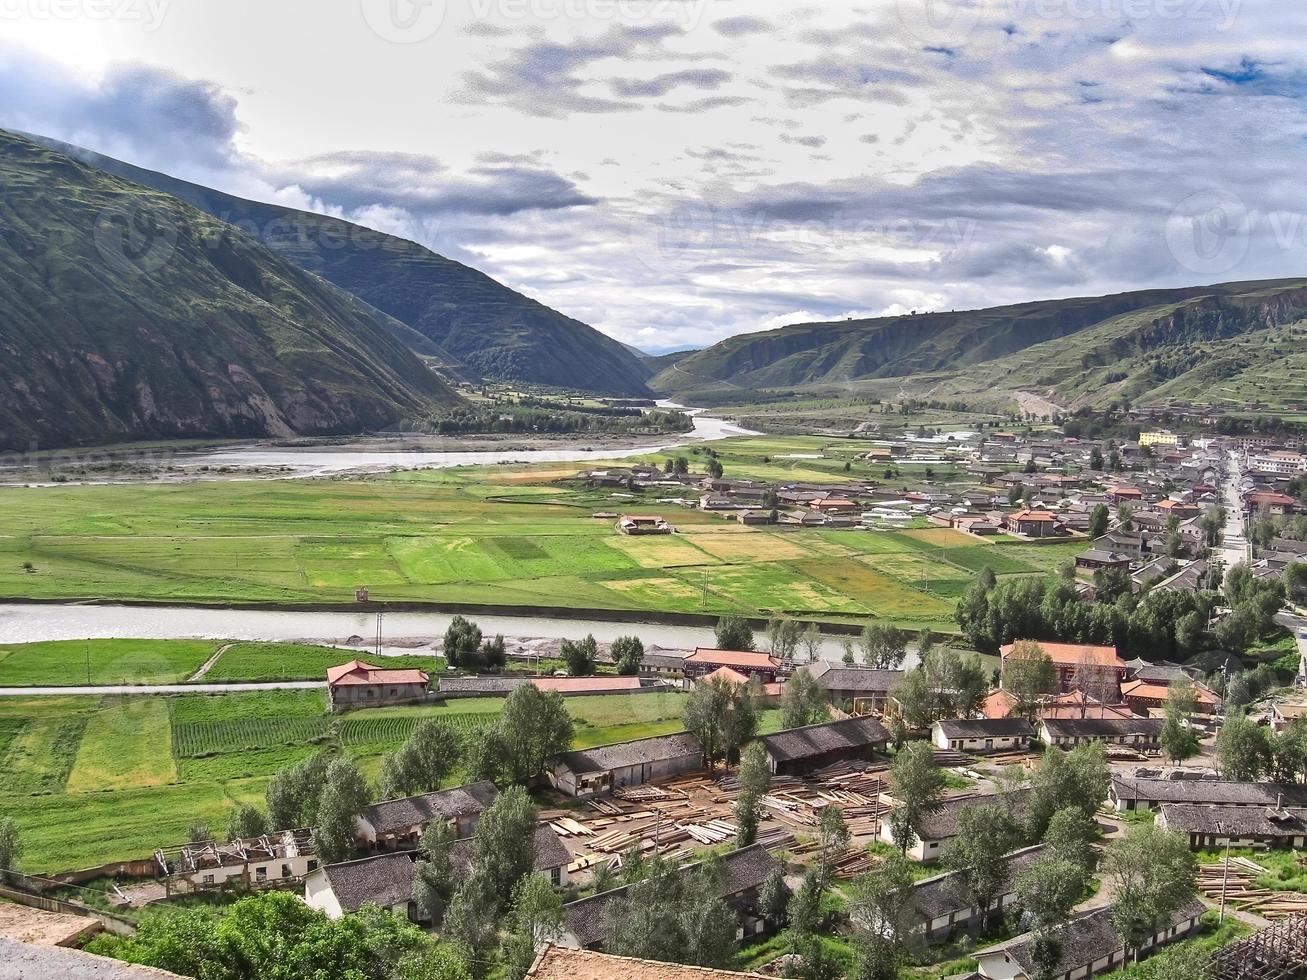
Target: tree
(915, 699)
(472, 922)
(810, 641)
(987, 578)
(422, 763)
(1079, 779)
(503, 845)
(673, 916)
(883, 645)
(1152, 873)
(755, 780)
(1098, 520)
(1242, 749)
(1289, 753)
(1096, 459)
(199, 833)
(580, 657)
(344, 794)
(734, 633)
(246, 821)
(433, 873)
(721, 715)
(1179, 740)
(294, 791)
(533, 727)
(1028, 675)
(536, 919)
(1070, 837)
(715, 469)
(628, 654)
(462, 641)
(11, 846)
(804, 701)
(1295, 581)
(979, 853)
(918, 784)
(833, 838)
(1049, 889)
(884, 916)
(782, 637)
(774, 899)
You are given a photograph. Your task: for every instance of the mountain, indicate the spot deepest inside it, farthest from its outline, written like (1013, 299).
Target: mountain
(491, 330)
(1066, 348)
(129, 314)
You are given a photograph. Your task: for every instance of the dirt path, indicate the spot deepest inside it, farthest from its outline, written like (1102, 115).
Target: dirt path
(1032, 404)
(204, 667)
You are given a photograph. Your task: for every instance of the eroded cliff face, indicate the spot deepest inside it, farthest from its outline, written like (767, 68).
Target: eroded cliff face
(207, 335)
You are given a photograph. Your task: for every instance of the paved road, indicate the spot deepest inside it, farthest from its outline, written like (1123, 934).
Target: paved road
(1234, 546)
(14, 692)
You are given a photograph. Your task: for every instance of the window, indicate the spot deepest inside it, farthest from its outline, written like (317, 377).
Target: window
(208, 879)
(261, 873)
(313, 865)
(286, 871)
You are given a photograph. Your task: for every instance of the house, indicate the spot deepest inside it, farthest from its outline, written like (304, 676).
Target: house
(982, 734)
(835, 505)
(813, 746)
(705, 660)
(1238, 826)
(275, 858)
(397, 823)
(551, 856)
(603, 768)
(1178, 508)
(944, 905)
(662, 665)
(1143, 696)
(754, 518)
(1140, 733)
(865, 689)
(1149, 792)
(1070, 659)
(358, 685)
(1270, 502)
(1074, 704)
(1034, 523)
(560, 963)
(1089, 945)
(934, 830)
(744, 872)
(768, 694)
(644, 524)
(1096, 558)
(1285, 713)
(383, 879)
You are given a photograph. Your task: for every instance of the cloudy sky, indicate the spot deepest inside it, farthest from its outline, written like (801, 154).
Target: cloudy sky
(676, 171)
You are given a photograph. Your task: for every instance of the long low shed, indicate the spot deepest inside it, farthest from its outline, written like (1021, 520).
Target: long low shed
(586, 772)
(813, 746)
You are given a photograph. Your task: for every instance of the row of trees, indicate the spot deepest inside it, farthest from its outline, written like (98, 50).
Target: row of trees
(466, 648)
(1248, 752)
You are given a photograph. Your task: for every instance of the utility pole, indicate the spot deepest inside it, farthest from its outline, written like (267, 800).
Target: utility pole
(1225, 875)
(378, 651)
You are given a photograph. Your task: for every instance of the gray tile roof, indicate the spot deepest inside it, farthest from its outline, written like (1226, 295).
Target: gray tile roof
(841, 677)
(619, 755)
(386, 879)
(943, 894)
(943, 823)
(1103, 727)
(1240, 821)
(819, 739)
(1208, 791)
(986, 728)
(745, 869)
(411, 811)
(550, 852)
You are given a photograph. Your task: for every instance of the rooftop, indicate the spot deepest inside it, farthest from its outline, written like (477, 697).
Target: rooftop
(357, 672)
(29, 962)
(943, 823)
(621, 754)
(1102, 727)
(386, 879)
(986, 728)
(843, 677)
(1072, 654)
(559, 963)
(410, 811)
(1208, 791)
(945, 893)
(1243, 821)
(563, 685)
(830, 736)
(734, 658)
(550, 852)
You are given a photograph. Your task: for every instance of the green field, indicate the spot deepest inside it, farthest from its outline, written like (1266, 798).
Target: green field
(484, 536)
(296, 661)
(95, 779)
(85, 662)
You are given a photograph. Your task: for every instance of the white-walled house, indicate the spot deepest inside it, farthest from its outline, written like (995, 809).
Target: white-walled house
(399, 823)
(382, 879)
(936, 829)
(982, 734)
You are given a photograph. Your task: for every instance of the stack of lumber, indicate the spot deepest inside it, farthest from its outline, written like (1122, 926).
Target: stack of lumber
(1242, 891)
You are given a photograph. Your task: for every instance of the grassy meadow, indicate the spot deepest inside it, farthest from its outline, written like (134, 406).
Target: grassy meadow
(96, 779)
(492, 536)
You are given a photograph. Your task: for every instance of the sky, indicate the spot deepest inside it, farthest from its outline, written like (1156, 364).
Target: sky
(674, 172)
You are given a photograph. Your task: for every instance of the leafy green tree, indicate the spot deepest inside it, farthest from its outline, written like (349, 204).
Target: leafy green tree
(715, 469)
(755, 780)
(294, 791)
(810, 641)
(979, 853)
(11, 846)
(774, 899)
(1079, 778)
(1049, 889)
(915, 699)
(884, 917)
(1028, 675)
(199, 833)
(503, 845)
(422, 763)
(883, 645)
(533, 727)
(472, 922)
(1243, 749)
(1179, 740)
(1098, 520)
(987, 578)
(918, 785)
(673, 917)
(245, 821)
(580, 656)
(721, 715)
(1289, 753)
(462, 642)
(1152, 873)
(344, 794)
(536, 919)
(734, 633)
(628, 654)
(833, 837)
(805, 701)
(1070, 836)
(433, 873)
(782, 637)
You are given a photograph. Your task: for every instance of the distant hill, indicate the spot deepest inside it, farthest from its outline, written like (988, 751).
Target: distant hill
(1143, 345)
(461, 313)
(129, 314)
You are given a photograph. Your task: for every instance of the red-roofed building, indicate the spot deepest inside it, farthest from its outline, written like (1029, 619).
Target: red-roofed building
(1034, 523)
(1069, 657)
(1125, 495)
(1076, 704)
(1144, 695)
(769, 692)
(359, 685)
(706, 660)
(1270, 502)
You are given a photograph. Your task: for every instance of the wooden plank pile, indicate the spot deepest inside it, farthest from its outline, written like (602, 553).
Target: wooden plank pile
(1243, 892)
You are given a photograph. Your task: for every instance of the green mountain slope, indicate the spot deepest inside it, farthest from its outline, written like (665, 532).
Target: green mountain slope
(1066, 348)
(128, 314)
(492, 330)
